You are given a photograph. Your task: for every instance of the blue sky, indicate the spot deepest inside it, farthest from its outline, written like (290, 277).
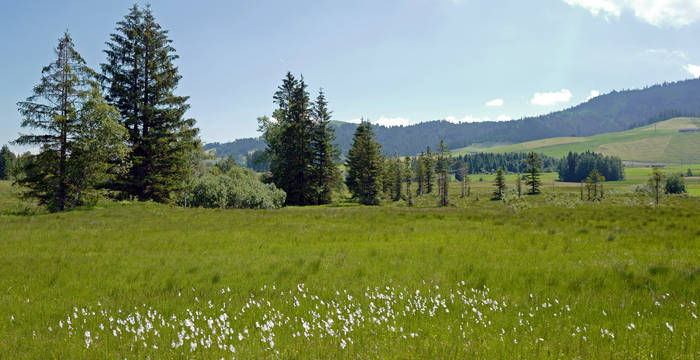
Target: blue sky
(392, 61)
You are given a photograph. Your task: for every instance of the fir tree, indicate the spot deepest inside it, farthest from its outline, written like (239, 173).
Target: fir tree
(7, 162)
(325, 154)
(533, 173)
(364, 165)
(420, 173)
(429, 171)
(408, 177)
(500, 184)
(141, 79)
(442, 169)
(78, 132)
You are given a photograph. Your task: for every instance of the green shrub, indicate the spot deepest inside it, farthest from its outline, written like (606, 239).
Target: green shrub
(675, 184)
(238, 188)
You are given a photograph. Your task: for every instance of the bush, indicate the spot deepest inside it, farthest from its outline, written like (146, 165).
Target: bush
(675, 184)
(238, 188)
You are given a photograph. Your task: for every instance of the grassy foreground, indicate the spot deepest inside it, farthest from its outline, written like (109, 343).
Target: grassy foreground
(612, 280)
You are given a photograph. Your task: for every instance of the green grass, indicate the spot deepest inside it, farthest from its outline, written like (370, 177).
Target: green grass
(663, 144)
(613, 264)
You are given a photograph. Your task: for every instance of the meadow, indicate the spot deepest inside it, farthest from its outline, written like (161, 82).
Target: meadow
(553, 278)
(656, 143)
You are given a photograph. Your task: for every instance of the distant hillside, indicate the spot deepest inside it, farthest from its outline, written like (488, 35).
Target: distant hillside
(661, 142)
(616, 111)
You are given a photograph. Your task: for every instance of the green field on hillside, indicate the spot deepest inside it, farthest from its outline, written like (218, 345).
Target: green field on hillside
(661, 143)
(557, 278)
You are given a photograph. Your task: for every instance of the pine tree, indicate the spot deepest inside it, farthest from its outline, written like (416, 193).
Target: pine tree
(7, 162)
(518, 185)
(533, 177)
(594, 185)
(141, 79)
(500, 184)
(420, 173)
(408, 177)
(325, 154)
(396, 178)
(442, 169)
(364, 165)
(655, 183)
(78, 132)
(429, 170)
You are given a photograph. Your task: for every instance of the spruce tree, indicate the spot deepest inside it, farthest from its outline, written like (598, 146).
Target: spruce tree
(420, 173)
(429, 170)
(7, 162)
(325, 154)
(78, 132)
(500, 184)
(408, 177)
(533, 173)
(442, 169)
(141, 78)
(364, 165)
(518, 185)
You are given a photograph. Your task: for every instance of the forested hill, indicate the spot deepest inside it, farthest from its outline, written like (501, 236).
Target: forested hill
(616, 111)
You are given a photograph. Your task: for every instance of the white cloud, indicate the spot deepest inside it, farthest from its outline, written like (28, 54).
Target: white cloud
(466, 119)
(594, 93)
(389, 122)
(495, 102)
(674, 13)
(504, 118)
(668, 54)
(551, 98)
(606, 8)
(355, 121)
(693, 70)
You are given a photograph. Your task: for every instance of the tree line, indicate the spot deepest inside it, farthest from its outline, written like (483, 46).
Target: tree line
(577, 167)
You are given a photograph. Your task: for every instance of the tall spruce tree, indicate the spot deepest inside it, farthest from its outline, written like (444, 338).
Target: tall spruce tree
(325, 153)
(420, 173)
(442, 169)
(408, 177)
(290, 140)
(500, 184)
(364, 165)
(140, 78)
(429, 170)
(533, 173)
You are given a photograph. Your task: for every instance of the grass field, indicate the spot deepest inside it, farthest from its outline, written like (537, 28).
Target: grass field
(559, 279)
(661, 143)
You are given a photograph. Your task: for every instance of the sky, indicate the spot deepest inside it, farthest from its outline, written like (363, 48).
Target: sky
(394, 62)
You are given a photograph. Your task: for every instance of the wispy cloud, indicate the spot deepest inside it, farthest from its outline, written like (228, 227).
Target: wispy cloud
(692, 70)
(551, 98)
(675, 13)
(668, 54)
(495, 103)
